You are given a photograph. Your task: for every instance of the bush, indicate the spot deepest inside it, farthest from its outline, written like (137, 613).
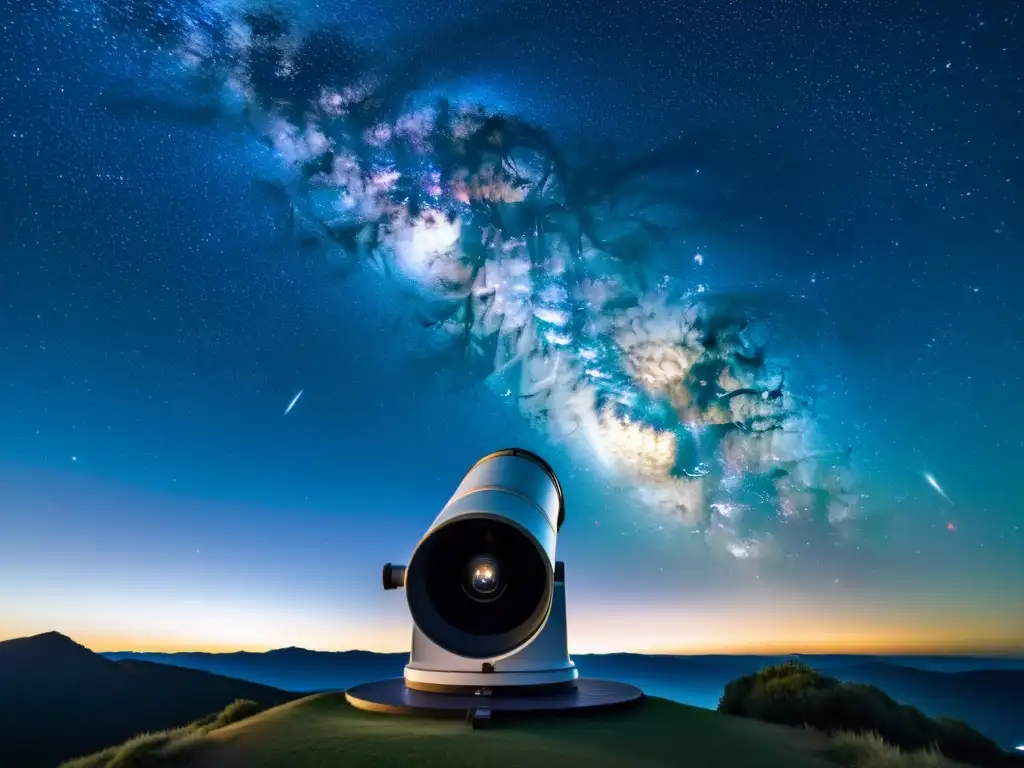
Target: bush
(795, 694)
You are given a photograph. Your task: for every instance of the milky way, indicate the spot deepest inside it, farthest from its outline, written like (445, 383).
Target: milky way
(543, 268)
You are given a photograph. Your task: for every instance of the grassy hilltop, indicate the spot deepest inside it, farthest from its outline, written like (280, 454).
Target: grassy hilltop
(324, 730)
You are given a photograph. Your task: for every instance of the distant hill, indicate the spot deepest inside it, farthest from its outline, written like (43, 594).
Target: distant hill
(989, 699)
(58, 699)
(291, 669)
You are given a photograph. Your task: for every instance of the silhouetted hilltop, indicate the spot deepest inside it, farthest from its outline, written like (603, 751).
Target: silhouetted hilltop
(58, 699)
(49, 647)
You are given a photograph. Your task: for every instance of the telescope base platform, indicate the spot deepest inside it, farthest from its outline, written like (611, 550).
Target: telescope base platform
(393, 697)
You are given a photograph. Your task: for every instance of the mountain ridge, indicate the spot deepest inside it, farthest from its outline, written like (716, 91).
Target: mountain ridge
(960, 687)
(968, 661)
(58, 699)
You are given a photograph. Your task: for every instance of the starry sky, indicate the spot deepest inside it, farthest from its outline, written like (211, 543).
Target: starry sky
(770, 337)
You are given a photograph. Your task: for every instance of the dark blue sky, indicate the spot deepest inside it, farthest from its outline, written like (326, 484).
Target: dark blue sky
(851, 170)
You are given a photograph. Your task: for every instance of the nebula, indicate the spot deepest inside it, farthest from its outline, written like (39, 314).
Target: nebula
(542, 268)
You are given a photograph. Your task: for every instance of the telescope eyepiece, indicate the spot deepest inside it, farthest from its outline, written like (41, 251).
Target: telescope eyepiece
(394, 576)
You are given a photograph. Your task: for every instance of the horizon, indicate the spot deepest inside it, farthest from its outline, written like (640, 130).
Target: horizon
(1009, 653)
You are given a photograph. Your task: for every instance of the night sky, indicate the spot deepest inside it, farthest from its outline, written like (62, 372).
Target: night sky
(770, 335)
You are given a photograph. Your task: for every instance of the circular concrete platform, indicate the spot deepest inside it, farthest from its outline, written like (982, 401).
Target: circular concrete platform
(393, 697)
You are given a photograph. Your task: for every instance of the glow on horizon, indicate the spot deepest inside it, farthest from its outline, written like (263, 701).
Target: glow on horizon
(852, 628)
(105, 643)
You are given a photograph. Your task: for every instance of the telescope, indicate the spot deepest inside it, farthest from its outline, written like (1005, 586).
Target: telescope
(485, 592)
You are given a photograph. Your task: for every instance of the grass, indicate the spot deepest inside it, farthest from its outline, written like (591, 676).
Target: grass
(869, 750)
(324, 730)
(164, 747)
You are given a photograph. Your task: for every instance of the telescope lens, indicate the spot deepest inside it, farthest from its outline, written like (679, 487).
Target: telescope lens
(484, 577)
(479, 587)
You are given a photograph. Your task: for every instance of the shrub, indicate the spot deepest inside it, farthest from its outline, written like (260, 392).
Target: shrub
(795, 694)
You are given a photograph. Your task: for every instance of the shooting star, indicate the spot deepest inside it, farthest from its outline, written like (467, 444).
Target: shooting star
(296, 399)
(935, 484)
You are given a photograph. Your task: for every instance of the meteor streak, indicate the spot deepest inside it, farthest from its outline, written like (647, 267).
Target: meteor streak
(293, 402)
(935, 484)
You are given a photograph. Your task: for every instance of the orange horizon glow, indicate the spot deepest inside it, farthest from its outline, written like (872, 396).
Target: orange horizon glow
(807, 645)
(768, 622)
